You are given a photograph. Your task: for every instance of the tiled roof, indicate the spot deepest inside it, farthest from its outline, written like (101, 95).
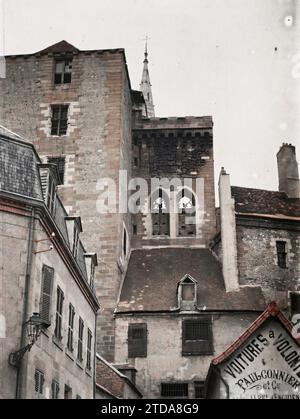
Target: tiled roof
(153, 275)
(260, 201)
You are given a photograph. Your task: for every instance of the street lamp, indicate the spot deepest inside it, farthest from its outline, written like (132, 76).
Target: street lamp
(33, 329)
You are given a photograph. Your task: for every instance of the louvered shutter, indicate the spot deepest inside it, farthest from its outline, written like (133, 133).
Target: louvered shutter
(197, 337)
(46, 293)
(137, 340)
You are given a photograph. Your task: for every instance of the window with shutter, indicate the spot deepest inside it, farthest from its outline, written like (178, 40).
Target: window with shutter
(60, 164)
(70, 345)
(39, 382)
(197, 337)
(137, 340)
(46, 293)
(59, 314)
(55, 389)
(281, 247)
(80, 340)
(89, 350)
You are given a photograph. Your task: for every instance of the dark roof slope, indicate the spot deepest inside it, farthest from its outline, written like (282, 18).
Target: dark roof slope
(18, 166)
(60, 47)
(259, 201)
(153, 275)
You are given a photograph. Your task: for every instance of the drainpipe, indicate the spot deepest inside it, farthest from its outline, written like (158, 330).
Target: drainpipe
(21, 368)
(95, 357)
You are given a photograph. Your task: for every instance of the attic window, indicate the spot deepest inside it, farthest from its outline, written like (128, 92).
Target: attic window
(187, 293)
(60, 164)
(63, 71)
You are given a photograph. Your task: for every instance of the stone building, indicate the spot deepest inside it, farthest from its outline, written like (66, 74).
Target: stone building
(45, 269)
(172, 295)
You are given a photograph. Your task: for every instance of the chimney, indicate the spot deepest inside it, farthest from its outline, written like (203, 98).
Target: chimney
(288, 171)
(228, 234)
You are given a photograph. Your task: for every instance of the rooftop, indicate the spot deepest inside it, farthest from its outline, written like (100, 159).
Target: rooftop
(159, 270)
(260, 201)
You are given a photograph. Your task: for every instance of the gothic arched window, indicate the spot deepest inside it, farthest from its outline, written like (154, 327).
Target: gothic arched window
(186, 205)
(160, 214)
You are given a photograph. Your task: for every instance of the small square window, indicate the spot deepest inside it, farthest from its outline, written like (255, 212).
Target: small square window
(178, 390)
(197, 337)
(199, 390)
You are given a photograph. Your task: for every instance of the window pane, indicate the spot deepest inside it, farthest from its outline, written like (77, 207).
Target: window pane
(174, 390)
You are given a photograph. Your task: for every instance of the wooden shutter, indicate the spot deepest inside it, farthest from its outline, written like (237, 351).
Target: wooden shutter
(46, 293)
(197, 337)
(137, 340)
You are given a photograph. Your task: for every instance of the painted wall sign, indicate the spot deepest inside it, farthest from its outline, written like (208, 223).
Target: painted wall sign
(266, 366)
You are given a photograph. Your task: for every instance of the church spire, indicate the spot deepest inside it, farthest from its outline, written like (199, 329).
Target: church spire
(146, 86)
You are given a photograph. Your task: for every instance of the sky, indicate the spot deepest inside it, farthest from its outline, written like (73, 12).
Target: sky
(237, 60)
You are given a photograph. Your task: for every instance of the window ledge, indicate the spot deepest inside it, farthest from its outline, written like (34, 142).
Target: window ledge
(69, 354)
(88, 372)
(80, 364)
(57, 342)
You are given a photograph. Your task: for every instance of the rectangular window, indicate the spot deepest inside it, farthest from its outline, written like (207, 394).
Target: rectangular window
(71, 328)
(199, 390)
(80, 340)
(197, 337)
(67, 392)
(295, 303)
(51, 194)
(59, 121)
(281, 247)
(54, 390)
(137, 340)
(177, 390)
(134, 229)
(89, 350)
(59, 314)
(75, 241)
(60, 164)
(125, 242)
(63, 71)
(39, 382)
(46, 293)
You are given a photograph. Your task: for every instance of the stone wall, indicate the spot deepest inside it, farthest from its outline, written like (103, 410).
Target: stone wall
(165, 363)
(48, 355)
(97, 145)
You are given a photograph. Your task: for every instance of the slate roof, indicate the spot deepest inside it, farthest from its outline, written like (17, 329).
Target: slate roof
(153, 275)
(260, 201)
(19, 174)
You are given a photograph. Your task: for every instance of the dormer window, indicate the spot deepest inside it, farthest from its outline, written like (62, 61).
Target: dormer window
(187, 293)
(90, 264)
(74, 228)
(49, 182)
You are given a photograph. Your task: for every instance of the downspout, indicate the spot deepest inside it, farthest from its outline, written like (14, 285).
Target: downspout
(95, 357)
(20, 371)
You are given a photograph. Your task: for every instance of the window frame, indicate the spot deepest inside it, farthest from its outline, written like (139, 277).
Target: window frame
(166, 388)
(89, 350)
(57, 121)
(59, 313)
(197, 347)
(70, 341)
(281, 253)
(80, 340)
(39, 380)
(46, 297)
(60, 163)
(66, 61)
(137, 347)
(55, 389)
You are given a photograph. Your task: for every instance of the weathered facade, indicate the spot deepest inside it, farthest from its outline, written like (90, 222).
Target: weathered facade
(94, 142)
(44, 269)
